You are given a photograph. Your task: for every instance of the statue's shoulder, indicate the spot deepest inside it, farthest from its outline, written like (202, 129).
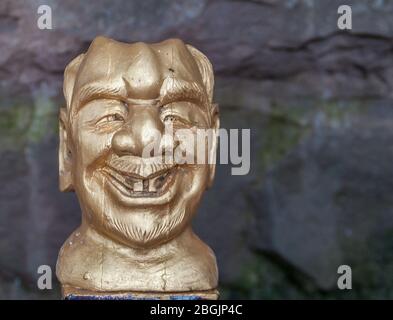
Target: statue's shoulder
(78, 263)
(195, 267)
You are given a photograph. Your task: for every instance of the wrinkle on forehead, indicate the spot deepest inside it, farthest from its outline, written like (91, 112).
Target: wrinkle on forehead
(140, 69)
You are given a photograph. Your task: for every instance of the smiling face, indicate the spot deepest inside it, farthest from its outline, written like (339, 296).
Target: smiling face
(122, 99)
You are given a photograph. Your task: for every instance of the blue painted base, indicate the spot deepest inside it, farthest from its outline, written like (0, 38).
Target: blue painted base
(72, 293)
(131, 297)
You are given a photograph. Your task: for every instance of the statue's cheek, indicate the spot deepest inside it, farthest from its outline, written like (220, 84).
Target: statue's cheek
(92, 146)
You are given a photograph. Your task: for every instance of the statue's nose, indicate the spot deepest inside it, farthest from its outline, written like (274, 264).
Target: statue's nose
(143, 128)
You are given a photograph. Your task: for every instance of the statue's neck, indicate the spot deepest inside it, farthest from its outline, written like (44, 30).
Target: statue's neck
(150, 255)
(92, 261)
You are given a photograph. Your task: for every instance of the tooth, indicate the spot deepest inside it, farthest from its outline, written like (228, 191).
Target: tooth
(129, 182)
(152, 187)
(159, 182)
(138, 186)
(146, 185)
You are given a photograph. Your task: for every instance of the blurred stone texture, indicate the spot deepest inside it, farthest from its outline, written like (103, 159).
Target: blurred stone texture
(319, 105)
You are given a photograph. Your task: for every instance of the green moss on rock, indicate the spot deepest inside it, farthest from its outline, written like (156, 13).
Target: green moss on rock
(24, 122)
(282, 131)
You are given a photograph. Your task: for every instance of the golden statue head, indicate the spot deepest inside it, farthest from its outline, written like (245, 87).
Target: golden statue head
(121, 102)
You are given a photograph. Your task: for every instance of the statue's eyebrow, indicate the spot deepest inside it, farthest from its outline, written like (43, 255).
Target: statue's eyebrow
(174, 89)
(98, 90)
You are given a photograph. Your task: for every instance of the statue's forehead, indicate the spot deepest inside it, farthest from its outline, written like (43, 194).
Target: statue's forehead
(143, 66)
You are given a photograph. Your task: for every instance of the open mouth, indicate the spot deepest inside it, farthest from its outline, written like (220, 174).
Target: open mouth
(132, 185)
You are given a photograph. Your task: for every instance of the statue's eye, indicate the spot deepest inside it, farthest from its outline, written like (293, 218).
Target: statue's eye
(110, 118)
(175, 120)
(182, 114)
(170, 119)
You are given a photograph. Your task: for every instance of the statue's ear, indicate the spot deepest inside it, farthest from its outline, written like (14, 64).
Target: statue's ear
(214, 143)
(205, 69)
(65, 155)
(69, 78)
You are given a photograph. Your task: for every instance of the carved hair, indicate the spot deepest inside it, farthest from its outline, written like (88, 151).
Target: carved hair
(205, 69)
(203, 63)
(69, 78)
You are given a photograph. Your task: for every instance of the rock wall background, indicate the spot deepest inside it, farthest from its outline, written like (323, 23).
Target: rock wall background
(319, 105)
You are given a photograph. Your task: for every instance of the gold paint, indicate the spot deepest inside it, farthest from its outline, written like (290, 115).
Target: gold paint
(135, 236)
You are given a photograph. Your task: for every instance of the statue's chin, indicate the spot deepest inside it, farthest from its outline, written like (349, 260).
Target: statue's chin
(142, 242)
(140, 228)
